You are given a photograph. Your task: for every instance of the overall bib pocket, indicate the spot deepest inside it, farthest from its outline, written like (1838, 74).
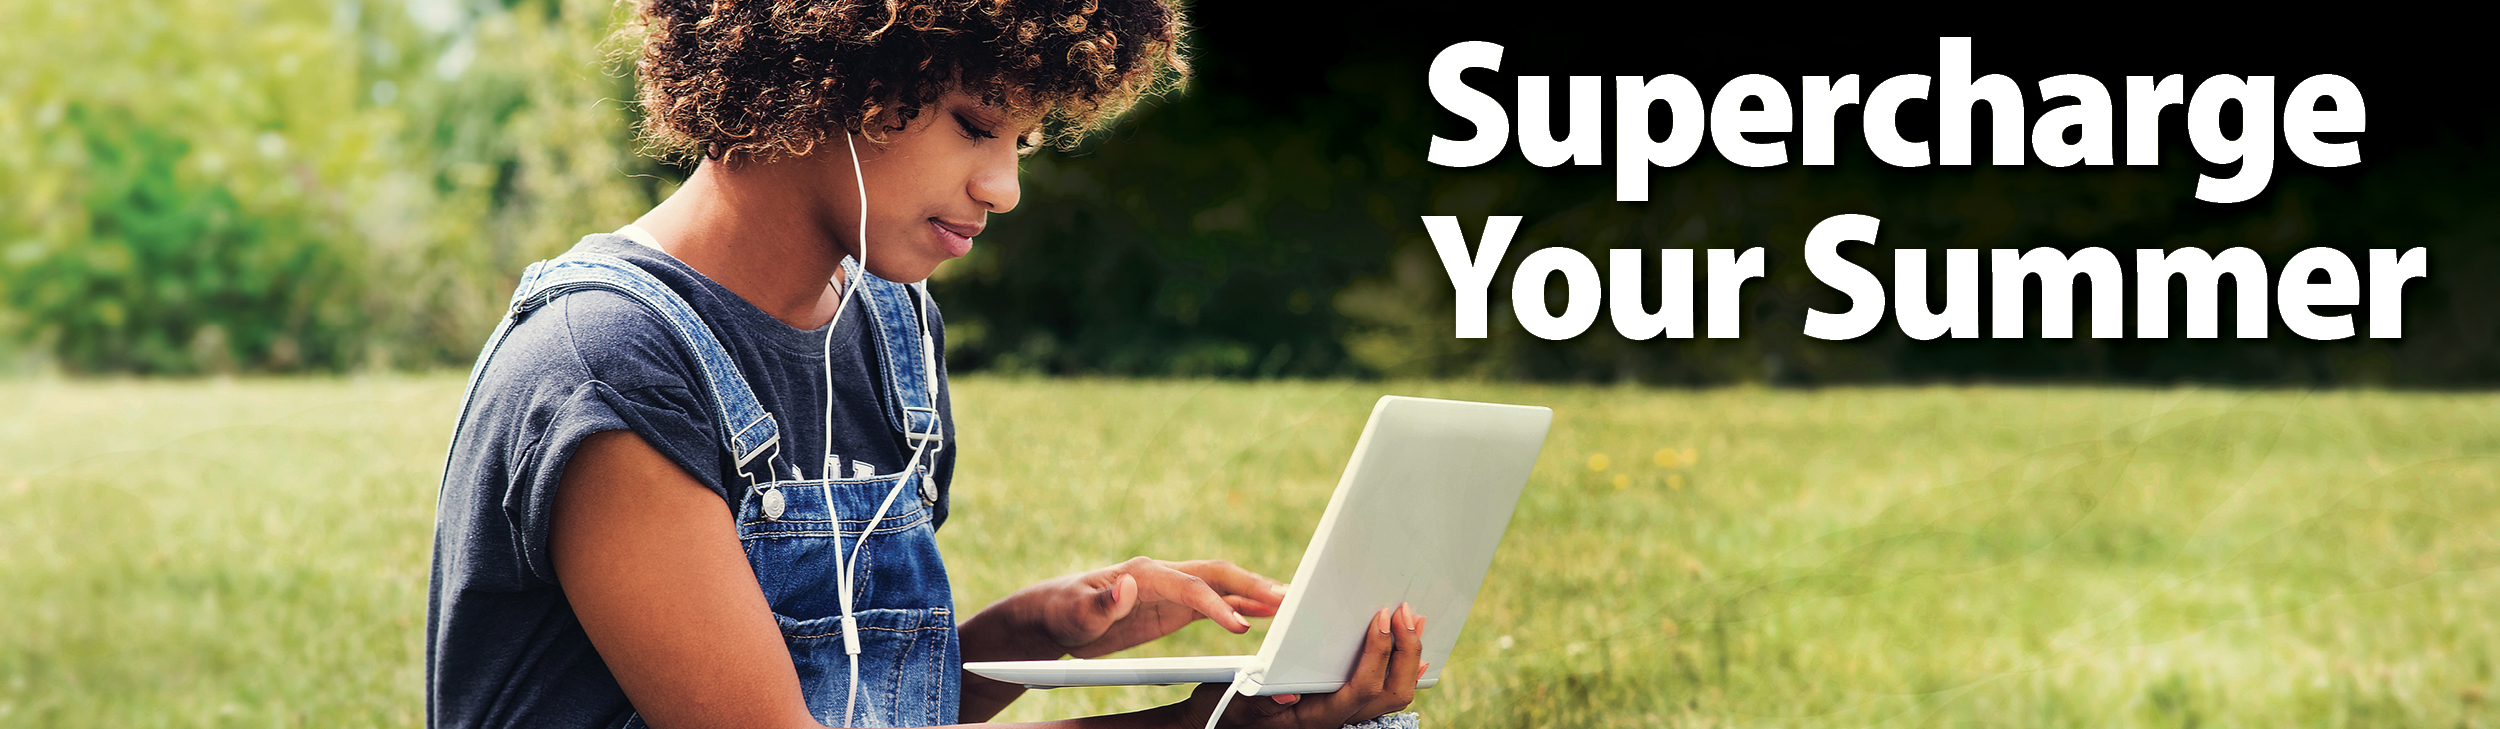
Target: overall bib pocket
(909, 667)
(906, 663)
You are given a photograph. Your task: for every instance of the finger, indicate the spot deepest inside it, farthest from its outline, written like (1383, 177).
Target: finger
(1188, 589)
(1405, 666)
(1115, 600)
(1249, 607)
(1231, 579)
(1253, 708)
(1370, 669)
(1243, 709)
(1203, 700)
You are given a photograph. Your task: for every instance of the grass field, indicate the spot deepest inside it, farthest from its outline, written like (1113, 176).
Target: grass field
(253, 553)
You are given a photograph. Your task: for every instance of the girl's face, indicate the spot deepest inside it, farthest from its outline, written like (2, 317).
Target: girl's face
(931, 186)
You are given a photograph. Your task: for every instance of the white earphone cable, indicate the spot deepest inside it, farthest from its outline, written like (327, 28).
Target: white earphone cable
(841, 568)
(846, 567)
(1227, 700)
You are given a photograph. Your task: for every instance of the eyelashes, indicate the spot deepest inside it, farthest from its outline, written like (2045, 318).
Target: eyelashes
(971, 130)
(974, 131)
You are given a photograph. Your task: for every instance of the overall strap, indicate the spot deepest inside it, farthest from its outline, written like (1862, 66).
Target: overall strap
(909, 358)
(747, 430)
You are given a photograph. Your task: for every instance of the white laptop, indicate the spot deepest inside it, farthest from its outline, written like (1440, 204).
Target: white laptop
(1415, 519)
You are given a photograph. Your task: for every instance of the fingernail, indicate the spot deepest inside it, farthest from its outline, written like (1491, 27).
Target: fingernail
(1380, 622)
(1278, 588)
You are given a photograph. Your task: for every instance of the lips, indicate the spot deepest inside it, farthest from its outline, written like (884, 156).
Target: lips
(956, 236)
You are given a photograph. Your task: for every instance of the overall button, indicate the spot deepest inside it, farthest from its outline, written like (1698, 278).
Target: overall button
(773, 504)
(928, 488)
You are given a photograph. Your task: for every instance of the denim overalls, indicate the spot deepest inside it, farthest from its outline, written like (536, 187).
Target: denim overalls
(909, 661)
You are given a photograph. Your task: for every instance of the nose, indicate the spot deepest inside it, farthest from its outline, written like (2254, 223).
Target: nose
(993, 184)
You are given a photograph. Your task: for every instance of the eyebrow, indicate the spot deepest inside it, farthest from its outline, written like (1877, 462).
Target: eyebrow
(982, 115)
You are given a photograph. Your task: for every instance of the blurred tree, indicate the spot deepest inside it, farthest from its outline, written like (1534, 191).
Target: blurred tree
(172, 274)
(290, 184)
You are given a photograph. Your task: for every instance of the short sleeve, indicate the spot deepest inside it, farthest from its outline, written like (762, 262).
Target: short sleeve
(590, 362)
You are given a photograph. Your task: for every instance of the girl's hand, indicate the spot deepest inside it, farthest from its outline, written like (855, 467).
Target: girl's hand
(1383, 683)
(1104, 611)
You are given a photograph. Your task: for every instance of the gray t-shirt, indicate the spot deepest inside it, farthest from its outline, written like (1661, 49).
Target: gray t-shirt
(503, 648)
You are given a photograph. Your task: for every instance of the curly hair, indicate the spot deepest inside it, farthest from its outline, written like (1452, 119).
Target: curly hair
(734, 79)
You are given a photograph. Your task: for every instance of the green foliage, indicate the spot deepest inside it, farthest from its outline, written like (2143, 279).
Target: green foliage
(296, 184)
(1205, 239)
(173, 273)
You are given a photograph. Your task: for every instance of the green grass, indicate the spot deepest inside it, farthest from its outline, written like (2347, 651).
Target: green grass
(253, 553)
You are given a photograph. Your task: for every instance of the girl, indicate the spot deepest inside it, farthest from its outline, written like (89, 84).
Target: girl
(701, 463)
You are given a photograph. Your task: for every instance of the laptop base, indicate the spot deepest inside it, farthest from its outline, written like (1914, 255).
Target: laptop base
(1113, 671)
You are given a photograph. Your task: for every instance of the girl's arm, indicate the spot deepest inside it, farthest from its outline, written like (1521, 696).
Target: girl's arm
(650, 561)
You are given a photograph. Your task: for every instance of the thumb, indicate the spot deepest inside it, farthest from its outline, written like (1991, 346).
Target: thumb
(1117, 599)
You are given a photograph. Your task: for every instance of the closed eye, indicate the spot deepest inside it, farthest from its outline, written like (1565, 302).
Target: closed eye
(1026, 142)
(972, 130)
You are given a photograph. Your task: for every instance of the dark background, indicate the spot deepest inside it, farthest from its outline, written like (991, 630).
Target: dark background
(1266, 223)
